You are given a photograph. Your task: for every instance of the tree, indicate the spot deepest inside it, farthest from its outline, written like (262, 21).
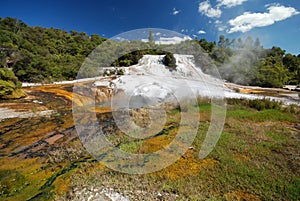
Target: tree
(151, 38)
(221, 42)
(227, 43)
(292, 63)
(271, 71)
(207, 46)
(170, 61)
(219, 55)
(257, 43)
(234, 43)
(249, 42)
(9, 85)
(240, 43)
(276, 52)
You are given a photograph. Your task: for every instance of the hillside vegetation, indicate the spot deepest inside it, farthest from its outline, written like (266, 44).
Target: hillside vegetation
(10, 87)
(37, 54)
(246, 61)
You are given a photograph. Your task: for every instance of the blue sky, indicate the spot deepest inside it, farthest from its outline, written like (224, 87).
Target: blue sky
(276, 23)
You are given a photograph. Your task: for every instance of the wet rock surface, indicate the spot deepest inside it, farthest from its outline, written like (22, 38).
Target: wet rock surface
(38, 145)
(40, 148)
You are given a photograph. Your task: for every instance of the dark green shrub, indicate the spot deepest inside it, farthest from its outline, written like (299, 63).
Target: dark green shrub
(109, 72)
(258, 104)
(120, 71)
(170, 61)
(8, 83)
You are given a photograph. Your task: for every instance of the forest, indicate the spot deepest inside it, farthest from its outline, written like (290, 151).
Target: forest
(247, 62)
(44, 55)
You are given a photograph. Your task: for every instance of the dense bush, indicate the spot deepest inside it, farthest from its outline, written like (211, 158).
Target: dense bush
(133, 58)
(9, 84)
(170, 61)
(39, 54)
(258, 104)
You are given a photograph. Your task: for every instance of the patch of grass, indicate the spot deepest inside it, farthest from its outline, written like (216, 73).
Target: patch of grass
(249, 162)
(265, 115)
(205, 107)
(131, 147)
(12, 182)
(258, 104)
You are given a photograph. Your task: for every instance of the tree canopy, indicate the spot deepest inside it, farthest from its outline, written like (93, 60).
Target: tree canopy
(246, 61)
(9, 85)
(39, 54)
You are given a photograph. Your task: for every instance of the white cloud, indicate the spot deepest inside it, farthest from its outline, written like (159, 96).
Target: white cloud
(121, 39)
(248, 21)
(218, 22)
(201, 32)
(205, 8)
(221, 28)
(172, 40)
(175, 11)
(168, 40)
(230, 3)
(145, 40)
(184, 30)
